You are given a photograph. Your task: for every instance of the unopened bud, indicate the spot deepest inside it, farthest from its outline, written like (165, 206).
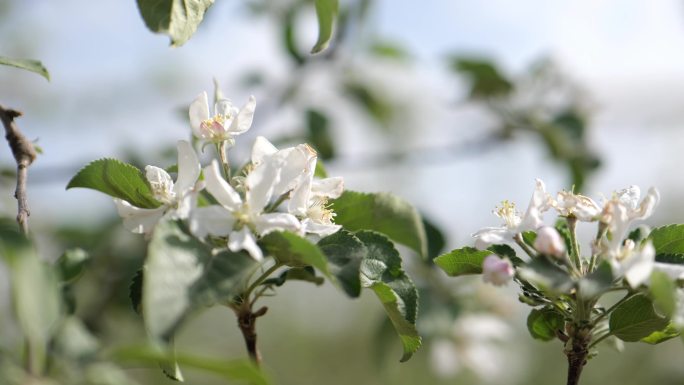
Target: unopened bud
(549, 242)
(497, 271)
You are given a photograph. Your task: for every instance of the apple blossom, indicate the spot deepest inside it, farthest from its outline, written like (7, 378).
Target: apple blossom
(549, 242)
(497, 271)
(228, 121)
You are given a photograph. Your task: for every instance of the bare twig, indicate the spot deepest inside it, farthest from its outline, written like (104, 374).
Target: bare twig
(24, 155)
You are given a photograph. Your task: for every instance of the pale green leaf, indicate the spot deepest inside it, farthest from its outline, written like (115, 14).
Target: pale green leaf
(635, 319)
(116, 179)
(292, 250)
(178, 19)
(26, 64)
(467, 260)
(381, 272)
(384, 213)
(326, 12)
(661, 335)
(668, 239)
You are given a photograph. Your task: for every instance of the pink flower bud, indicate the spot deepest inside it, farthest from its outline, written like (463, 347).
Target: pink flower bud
(549, 242)
(497, 271)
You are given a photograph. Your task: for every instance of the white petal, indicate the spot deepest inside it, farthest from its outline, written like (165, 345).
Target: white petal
(244, 240)
(320, 229)
(188, 168)
(647, 205)
(299, 199)
(328, 187)
(262, 149)
(539, 203)
(638, 266)
(224, 107)
(158, 176)
(214, 220)
(260, 182)
(199, 112)
(137, 220)
(296, 163)
(243, 121)
(492, 236)
(675, 272)
(266, 223)
(629, 196)
(224, 193)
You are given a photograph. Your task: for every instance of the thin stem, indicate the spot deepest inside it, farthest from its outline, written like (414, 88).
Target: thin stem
(258, 282)
(575, 250)
(526, 248)
(24, 154)
(273, 206)
(598, 340)
(221, 150)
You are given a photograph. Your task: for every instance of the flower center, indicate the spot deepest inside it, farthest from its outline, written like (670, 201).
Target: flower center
(508, 213)
(320, 212)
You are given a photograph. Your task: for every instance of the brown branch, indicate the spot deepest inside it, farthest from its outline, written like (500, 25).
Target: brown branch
(247, 324)
(24, 155)
(577, 353)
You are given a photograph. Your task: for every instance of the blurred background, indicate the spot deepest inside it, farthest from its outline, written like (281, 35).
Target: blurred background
(454, 106)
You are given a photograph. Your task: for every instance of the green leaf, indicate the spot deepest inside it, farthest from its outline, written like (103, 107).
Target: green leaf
(319, 135)
(175, 262)
(597, 282)
(635, 319)
(543, 323)
(135, 291)
(390, 50)
(306, 274)
(234, 370)
(663, 291)
(486, 80)
(177, 18)
(668, 239)
(320, 171)
(547, 276)
(435, 239)
(292, 250)
(662, 335)
(505, 251)
(529, 237)
(675, 259)
(345, 253)
(384, 213)
(224, 277)
(467, 260)
(381, 272)
(71, 264)
(26, 64)
(116, 179)
(375, 105)
(326, 12)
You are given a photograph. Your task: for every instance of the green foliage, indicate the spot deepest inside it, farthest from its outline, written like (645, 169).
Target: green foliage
(26, 64)
(319, 134)
(544, 323)
(594, 284)
(663, 291)
(390, 50)
(72, 264)
(292, 250)
(384, 213)
(375, 105)
(467, 260)
(326, 12)
(486, 79)
(178, 19)
(305, 274)
(435, 239)
(547, 276)
(381, 272)
(661, 335)
(668, 240)
(635, 319)
(345, 252)
(116, 179)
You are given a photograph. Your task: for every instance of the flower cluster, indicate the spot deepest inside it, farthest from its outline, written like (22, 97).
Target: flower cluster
(276, 191)
(633, 261)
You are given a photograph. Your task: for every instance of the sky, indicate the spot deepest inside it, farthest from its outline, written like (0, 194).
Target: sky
(115, 86)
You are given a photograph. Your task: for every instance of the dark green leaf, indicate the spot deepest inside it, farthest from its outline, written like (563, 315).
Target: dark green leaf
(135, 291)
(319, 134)
(467, 260)
(224, 277)
(635, 319)
(675, 259)
(116, 179)
(306, 274)
(597, 282)
(26, 64)
(384, 213)
(178, 19)
(505, 251)
(381, 272)
(486, 80)
(435, 239)
(544, 323)
(292, 250)
(326, 12)
(662, 335)
(345, 253)
(71, 264)
(668, 239)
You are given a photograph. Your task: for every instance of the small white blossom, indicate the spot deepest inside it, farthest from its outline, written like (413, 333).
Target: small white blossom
(227, 122)
(549, 242)
(634, 264)
(176, 199)
(514, 223)
(497, 271)
(577, 205)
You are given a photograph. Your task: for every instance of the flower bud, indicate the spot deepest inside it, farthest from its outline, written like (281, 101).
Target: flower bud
(497, 271)
(549, 242)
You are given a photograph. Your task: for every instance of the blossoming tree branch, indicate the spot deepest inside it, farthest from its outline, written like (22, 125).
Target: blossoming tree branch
(225, 235)
(565, 285)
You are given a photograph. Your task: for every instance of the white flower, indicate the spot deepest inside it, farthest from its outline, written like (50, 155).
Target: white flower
(242, 220)
(176, 198)
(577, 205)
(635, 265)
(549, 242)
(619, 212)
(513, 222)
(308, 196)
(228, 121)
(497, 271)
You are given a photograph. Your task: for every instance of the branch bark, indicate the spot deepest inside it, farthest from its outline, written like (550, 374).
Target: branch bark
(24, 154)
(247, 324)
(577, 354)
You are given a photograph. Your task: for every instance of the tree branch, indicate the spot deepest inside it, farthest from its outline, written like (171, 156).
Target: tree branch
(24, 155)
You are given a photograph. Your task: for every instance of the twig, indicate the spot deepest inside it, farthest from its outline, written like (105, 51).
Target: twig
(24, 155)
